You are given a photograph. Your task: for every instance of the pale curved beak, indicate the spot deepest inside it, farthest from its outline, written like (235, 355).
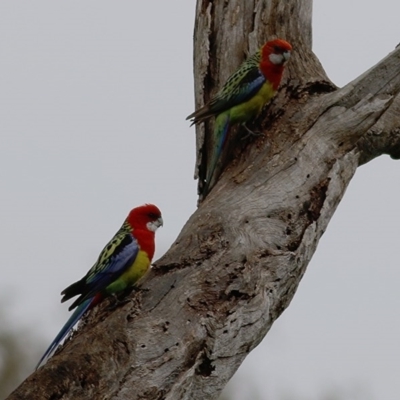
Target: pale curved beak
(159, 222)
(154, 225)
(286, 55)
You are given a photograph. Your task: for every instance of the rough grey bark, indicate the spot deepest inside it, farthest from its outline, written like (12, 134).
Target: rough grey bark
(239, 259)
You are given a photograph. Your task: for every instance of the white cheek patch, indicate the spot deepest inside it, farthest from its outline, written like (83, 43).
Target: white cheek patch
(276, 58)
(152, 226)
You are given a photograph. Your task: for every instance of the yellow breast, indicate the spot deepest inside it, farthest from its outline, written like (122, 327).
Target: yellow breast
(131, 275)
(251, 108)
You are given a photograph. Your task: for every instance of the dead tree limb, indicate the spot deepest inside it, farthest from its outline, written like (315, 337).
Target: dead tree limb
(239, 259)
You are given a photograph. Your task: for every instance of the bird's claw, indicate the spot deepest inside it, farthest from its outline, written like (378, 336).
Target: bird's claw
(250, 132)
(117, 303)
(119, 300)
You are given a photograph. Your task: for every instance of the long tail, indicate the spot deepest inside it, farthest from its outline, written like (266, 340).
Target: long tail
(220, 134)
(200, 115)
(73, 319)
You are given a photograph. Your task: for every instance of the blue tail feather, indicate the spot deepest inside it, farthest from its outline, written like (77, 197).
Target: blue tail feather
(220, 134)
(73, 319)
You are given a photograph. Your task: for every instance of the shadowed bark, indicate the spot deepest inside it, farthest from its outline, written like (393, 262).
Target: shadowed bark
(239, 259)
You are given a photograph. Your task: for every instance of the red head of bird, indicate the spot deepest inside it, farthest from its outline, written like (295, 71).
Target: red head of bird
(274, 55)
(147, 216)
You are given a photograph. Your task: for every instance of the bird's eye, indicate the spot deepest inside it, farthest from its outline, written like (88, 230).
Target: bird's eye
(277, 49)
(153, 215)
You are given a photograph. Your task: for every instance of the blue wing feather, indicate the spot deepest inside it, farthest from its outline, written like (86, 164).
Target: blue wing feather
(115, 266)
(243, 84)
(109, 267)
(240, 91)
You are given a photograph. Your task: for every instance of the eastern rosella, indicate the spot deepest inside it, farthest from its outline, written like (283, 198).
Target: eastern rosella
(124, 260)
(241, 98)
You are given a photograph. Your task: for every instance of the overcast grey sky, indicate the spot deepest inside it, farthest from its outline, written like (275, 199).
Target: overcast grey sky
(93, 102)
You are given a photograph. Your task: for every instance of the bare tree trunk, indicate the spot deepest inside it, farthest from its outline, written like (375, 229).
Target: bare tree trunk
(239, 259)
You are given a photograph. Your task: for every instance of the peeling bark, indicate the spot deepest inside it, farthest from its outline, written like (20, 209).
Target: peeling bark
(238, 261)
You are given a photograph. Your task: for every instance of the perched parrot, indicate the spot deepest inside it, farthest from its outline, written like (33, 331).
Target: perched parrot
(124, 260)
(241, 99)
